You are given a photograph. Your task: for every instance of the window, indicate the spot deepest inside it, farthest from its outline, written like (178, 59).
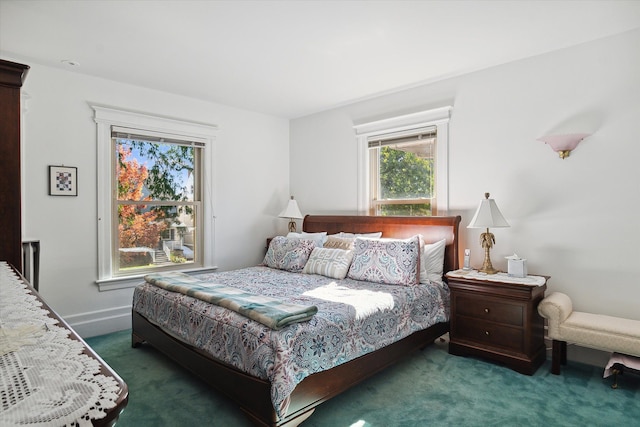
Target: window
(402, 173)
(154, 195)
(402, 164)
(157, 202)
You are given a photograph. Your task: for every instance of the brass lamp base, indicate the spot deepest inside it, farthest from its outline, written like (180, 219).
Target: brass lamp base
(292, 226)
(487, 240)
(488, 269)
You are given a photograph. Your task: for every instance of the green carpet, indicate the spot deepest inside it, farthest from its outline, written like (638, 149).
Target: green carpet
(429, 388)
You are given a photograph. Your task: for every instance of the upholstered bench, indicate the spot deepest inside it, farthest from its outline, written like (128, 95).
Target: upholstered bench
(597, 331)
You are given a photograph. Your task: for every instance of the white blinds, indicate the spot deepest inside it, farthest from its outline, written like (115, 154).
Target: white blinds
(420, 141)
(411, 135)
(154, 137)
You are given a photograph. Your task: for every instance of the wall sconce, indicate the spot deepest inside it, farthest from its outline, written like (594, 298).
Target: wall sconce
(292, 212)
(563, 144)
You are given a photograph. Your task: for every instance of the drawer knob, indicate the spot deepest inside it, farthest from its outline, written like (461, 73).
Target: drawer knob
(486, 310)
(486, 333)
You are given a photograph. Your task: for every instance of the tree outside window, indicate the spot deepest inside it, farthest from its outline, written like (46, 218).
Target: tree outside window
(157, 203)
(402, 176)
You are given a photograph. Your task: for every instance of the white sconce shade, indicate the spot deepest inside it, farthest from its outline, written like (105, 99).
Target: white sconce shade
(292, 212)
(563, 144)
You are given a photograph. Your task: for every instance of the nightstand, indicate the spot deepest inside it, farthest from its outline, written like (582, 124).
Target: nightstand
(495, 317)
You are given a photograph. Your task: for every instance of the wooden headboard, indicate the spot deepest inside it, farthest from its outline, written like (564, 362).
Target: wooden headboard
(432, 228)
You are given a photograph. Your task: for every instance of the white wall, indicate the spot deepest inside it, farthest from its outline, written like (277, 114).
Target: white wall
(251, 185)
(573, 219)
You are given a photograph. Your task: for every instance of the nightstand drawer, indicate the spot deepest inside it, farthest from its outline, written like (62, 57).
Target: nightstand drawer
(488, 333)
(494, 311)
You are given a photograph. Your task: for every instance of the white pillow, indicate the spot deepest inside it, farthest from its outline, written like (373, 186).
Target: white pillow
(432, 262)
(320, 238)
(329, 262)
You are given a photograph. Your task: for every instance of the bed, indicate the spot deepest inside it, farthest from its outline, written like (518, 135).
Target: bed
(255, 388)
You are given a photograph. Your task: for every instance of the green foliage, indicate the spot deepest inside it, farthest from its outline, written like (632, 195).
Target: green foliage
(170, 166)
(422, 209)
(177, 259)
(404, 175)
(169, 161)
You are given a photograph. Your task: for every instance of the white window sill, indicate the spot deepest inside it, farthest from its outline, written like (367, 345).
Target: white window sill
(124, 282)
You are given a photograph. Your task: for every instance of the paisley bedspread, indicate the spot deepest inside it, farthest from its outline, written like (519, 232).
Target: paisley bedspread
(354, 318)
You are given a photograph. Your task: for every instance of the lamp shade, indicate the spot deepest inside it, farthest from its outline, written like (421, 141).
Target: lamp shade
(563, 144)
(291, 211)
(488, 215)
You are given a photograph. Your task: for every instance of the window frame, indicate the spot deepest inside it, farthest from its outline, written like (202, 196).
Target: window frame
(107, 117)
(196, 203)
(376, 203)
(439, 118)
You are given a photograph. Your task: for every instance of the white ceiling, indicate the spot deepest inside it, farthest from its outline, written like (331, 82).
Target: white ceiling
(294, 58)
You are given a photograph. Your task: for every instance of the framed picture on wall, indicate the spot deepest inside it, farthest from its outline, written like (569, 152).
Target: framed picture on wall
(63, 181)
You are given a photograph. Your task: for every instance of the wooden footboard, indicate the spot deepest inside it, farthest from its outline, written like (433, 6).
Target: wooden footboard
(253, 394)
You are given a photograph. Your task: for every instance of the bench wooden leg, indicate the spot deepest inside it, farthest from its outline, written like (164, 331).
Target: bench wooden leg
(558, 356)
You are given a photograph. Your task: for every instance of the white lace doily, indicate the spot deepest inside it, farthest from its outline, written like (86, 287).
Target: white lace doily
(498, 277)
(45, 379)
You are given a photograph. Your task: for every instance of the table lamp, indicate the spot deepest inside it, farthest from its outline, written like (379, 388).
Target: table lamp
(292, 212)
(487, 216)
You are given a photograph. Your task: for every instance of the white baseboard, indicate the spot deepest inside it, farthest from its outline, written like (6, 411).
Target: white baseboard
(100, 322)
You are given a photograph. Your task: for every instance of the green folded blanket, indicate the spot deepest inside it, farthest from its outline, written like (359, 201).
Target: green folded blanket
(268, 311)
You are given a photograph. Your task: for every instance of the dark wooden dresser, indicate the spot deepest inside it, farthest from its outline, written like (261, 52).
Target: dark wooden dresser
(12, 76)
(496, 318)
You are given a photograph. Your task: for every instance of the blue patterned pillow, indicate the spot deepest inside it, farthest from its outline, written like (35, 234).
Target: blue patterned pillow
(288, 254)
(390, 261)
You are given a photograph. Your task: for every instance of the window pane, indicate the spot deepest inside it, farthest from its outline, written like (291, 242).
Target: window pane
(155, 236)
(423, 209)
(153, 233)
(405, 174)
(155, 171)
